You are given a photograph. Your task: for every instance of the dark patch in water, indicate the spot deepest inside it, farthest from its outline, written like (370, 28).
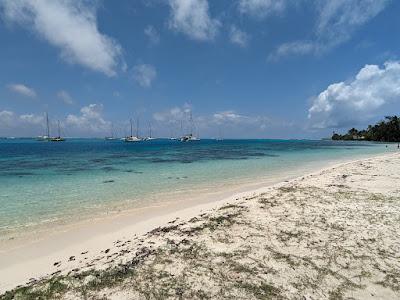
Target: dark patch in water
(98, 160)
(186, 161)
(19, 174)
(272, 155)
(108, 181)
(118, 156)
(161, 160)
(133, 171)
(108, 169)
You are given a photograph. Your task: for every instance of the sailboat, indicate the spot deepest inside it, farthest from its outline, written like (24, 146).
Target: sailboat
(111, 137)
(219, 138)
(46, 137)
(149, 138)
(57, 138)
(172, 138)
(133, 138)
(190, 137)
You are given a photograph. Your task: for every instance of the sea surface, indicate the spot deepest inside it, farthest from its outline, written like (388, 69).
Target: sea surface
(46, 184)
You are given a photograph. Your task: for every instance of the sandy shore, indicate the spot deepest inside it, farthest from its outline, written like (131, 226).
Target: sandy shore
(330, 235)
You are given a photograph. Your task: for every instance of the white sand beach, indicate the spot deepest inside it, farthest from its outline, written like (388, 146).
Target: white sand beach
(333, 234)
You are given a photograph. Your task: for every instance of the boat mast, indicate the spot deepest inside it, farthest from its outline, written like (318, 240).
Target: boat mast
(191, 122)
(149, 129)
(47, 125)
(137, 127)
(131, 127)
(59, 131)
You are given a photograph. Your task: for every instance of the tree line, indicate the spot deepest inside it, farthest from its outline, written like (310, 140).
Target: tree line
(387, 130)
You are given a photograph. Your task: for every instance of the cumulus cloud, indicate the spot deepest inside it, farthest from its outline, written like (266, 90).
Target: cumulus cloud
(32, 119)
(90, 120)
(229, 116)
(70, 26)
(173, 115)
(25, 124)
(238, 36)
(192, 18)
(336, 23)
(232, 118)
(144, 75)
(347, 103)
(179, 116)
(261, 8)
(65, 97)
(6, 118)
(22, 90)
(152, 34)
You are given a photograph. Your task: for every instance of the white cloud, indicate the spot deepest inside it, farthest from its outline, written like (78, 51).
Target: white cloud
(238, 36)
(22, 90)
(32, 119)
(229, 116)
(192, 18)
(229, 123)
(336, 23)
(70, 26)
(7, 118)
(347, 103)
(339, 19)
(152, 34)
(173, 115)
(144, 75)
(65, 97)
(90, 120)
(24, 123)
(261, 8)
(293, 48)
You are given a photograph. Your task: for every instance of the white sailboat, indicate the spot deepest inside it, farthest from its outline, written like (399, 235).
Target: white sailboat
(219, 138)
(133, 138)
(46, 137)
(190, 137)
(111, 137)
(149, 138)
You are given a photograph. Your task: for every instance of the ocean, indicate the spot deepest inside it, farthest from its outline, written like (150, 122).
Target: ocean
(45, 184)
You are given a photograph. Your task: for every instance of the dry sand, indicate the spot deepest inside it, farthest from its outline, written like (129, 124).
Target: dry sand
(334, 234)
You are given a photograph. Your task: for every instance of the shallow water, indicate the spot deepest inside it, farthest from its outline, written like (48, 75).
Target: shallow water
(55, 183)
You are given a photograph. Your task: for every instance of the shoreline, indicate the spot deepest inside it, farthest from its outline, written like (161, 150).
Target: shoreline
(173, 202)
(40, 256)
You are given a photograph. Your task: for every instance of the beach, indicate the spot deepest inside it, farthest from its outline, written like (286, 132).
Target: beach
(332, 234)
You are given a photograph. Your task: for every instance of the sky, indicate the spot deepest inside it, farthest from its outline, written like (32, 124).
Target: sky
(244, 68)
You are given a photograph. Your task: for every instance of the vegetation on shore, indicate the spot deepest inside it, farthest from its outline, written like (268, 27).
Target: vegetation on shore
(387, 130)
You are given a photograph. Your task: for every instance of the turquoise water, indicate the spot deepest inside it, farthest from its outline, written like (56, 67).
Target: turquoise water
(54, 183)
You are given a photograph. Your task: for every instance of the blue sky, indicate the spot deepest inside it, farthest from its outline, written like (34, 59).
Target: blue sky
(247, 68)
